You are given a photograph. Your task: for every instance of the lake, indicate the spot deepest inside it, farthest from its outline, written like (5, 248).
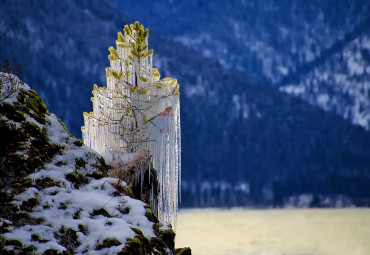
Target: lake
(275, 232)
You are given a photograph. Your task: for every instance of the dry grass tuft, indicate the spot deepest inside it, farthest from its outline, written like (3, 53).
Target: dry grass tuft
(131, 170)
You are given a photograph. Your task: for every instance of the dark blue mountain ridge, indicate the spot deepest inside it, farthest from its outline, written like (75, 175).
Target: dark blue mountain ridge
(277, 42)
(244, 143)
(246, 35)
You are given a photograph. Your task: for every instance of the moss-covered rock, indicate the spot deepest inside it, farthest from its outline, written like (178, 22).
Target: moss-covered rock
(80, 163)
(54, 252)
(68, 238)
(109, 242)
(150, 215)
(77, 178)
(36, 237)
(30, 103)
(78, 142)
(11, 113)
(168, 237)
(46, 182)
(83, 229)
(122, 190)
(23, 218)
(183, 251)
(25, 146)
(158, 246)
(29, 204)
(137, 245)
(26, 152)
(101, 167)
(100, 211)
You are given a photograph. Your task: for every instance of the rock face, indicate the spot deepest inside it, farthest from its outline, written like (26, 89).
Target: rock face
(56, 196)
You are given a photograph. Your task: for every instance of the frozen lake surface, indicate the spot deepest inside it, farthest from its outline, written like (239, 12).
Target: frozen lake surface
(275, 232)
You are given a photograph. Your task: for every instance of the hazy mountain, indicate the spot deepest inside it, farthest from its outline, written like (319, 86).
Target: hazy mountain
(244, 143)
(341, 83)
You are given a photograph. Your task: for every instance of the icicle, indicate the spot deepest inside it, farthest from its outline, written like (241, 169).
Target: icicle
(150, 171)
(165, 147)
(142, 179)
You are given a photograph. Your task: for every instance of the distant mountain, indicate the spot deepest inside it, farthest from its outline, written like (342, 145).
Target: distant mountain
(276, 42)
(244, 143)
(267, 39)
(340, 83)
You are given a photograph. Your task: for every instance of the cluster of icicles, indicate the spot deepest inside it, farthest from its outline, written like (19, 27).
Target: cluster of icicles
(146, 118)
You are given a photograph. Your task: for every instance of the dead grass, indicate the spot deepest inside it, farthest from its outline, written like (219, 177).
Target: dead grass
(129, 171)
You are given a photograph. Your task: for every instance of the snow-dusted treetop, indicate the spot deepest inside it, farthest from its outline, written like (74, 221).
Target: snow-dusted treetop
(139, 111)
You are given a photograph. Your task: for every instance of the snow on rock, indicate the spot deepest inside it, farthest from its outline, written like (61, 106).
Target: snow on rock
(56, 196)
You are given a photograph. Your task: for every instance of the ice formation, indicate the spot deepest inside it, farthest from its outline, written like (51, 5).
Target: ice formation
(139, 111)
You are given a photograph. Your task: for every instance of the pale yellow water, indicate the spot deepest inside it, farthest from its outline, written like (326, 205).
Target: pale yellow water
(275, 232)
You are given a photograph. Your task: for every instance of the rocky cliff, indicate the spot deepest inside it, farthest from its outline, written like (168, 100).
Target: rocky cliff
(56, 195)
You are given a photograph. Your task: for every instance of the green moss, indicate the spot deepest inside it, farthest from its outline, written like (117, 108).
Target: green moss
(168, 237)
(102, 212)
(29, 204)
(80, 163)
(183, 251)
(77, 179)
(101, 168)
(78, 143)
(109, 242)
(156, 229)
(122, 190)
(9, 111)
(54, 252)
(21, 219)
(36, 237)
(4, 227)
(116, 193)
(62, 123)
(83, 229)
(157, 244)
(125, 210)
(29, 250)
(97, 175)
(46, 205)
(54, 192)
(61, 163)
(5, 251)
(62, 206)
(132, 246)
(31, 140)
(30, 103)
(7, 208)
(32, 129)
(137, 231)
(150, 215)
(68, 238)
(77, 214)
(15, 243)
(46, 182)
(137, 245)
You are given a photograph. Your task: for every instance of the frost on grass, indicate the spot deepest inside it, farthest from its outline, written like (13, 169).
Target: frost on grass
(56, 196)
